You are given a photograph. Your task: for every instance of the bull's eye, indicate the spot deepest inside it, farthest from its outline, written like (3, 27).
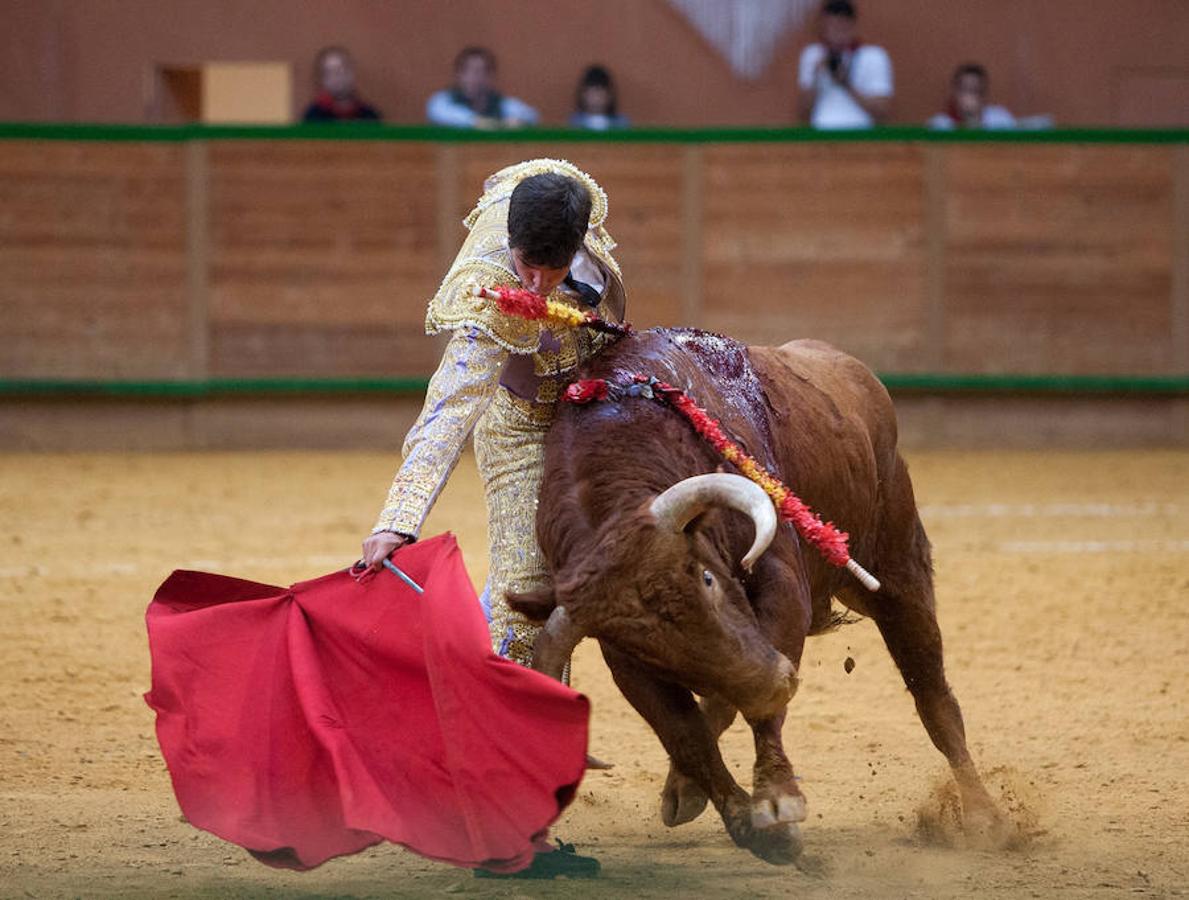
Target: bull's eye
(707, 578)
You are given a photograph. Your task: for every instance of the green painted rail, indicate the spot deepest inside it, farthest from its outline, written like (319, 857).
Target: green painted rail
(1145, 385)
(357, 131)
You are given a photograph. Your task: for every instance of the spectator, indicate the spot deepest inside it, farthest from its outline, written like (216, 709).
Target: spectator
(337, 99)
(844, 82)
(596, 106)
(473, 101)
(967, 106)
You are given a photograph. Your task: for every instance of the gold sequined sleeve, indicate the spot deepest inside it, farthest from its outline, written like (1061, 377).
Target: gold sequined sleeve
(459, 392)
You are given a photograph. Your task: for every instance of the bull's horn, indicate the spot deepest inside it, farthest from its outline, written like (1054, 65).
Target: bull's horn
(678, 505)
(555, 643)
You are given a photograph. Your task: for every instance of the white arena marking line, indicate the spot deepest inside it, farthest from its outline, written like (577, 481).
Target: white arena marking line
(1060, 547)
(77, 568)
(1046, 510)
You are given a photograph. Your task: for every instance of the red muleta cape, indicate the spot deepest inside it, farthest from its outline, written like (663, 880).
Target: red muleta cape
(313, 721)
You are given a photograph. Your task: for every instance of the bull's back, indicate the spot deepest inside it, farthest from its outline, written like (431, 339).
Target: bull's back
(834, 429)
(845, 398)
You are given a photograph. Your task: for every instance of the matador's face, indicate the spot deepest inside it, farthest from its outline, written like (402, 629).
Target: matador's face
(538, 279)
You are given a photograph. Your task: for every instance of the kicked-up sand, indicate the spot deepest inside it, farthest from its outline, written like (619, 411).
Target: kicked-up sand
(1063, 593)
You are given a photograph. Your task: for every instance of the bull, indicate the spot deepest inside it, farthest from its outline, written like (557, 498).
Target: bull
(683, 575)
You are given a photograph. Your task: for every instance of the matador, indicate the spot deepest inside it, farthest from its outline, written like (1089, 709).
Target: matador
(539, 224)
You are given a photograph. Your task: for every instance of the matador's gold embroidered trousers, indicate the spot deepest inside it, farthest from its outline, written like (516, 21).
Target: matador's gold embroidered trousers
(467, 394)
(509, 434)
(510, 452)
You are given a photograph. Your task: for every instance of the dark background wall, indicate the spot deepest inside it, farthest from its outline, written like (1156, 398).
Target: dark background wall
(1083, 61)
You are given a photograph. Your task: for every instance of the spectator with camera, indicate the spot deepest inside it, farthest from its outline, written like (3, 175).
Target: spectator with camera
(844, 82)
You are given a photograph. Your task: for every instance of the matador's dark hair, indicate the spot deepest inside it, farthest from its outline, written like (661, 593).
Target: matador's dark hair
(547, 219)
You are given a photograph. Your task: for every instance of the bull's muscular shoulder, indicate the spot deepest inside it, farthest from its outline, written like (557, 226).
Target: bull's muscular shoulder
(805, 378)
(819, 364)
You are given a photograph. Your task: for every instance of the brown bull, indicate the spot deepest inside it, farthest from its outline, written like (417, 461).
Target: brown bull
(663, 571)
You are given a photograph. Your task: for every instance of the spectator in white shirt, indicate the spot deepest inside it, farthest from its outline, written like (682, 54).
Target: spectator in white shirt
(473, 101)
(844, 83)
(967, 106)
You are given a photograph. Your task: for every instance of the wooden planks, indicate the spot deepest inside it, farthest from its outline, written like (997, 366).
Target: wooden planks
(817, 240)
(316, 258)
(93, 260)
(1058, 259)
(323, 256)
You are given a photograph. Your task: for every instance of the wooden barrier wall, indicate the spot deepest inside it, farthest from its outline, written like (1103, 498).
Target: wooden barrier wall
(314, 258)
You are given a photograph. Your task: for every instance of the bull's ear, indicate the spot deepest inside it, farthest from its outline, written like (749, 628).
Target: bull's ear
(533, 605)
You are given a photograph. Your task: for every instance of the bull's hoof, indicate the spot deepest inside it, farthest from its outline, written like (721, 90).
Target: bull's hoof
(775, 837)
(778, 844)
(788, 808)
(682, 800)
(758, 830)
(967, 817)
(986, 828)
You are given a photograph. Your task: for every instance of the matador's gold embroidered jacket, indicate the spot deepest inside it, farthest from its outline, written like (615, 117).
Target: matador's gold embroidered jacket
(526, 363)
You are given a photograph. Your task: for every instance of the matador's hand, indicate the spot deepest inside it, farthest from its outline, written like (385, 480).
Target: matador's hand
(377, 547)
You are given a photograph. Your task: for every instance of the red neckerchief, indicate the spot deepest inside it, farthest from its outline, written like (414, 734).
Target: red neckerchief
(340, 109)
(951, 110)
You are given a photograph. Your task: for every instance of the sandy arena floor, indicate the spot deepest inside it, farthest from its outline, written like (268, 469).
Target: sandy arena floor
(1063, 583)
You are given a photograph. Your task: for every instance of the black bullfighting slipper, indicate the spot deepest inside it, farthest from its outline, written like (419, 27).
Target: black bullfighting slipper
(563, 862)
